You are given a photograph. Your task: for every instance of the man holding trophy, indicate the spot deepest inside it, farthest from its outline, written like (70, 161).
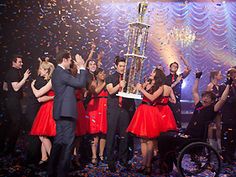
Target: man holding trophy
(118, 116)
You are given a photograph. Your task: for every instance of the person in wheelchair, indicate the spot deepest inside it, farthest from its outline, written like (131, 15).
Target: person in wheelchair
(204, 112)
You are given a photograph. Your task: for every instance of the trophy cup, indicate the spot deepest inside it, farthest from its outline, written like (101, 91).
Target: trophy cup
(137, 42)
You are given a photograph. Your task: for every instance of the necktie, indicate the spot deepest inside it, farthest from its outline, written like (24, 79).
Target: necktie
(173, 78)
(120, 89)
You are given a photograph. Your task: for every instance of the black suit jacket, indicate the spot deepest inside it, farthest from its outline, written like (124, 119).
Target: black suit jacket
(64, 85)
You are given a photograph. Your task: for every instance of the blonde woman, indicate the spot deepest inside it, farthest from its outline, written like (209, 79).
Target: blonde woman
(44, 124)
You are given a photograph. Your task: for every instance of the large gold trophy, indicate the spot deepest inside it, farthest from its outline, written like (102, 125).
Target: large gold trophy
(137, 42)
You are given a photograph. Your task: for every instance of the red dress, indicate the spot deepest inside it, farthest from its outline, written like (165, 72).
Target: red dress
(44, 124)
(144, 123)
(97, 113)
(82, 122)
(166, 118)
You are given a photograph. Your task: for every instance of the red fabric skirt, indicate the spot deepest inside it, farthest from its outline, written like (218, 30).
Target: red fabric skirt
(82, 124)
(166, 118)
(44, 124)
(97, 114)
(145, 123)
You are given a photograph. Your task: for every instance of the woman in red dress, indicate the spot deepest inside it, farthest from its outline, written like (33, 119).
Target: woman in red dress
(82, 125)
(166, 118)
(145, 122)
(44, 124)
(97, 114)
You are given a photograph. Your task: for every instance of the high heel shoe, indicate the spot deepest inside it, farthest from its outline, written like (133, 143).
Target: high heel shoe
(94, 161)
(101, 158)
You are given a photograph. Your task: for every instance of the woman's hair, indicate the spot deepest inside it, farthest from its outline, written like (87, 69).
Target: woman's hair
(47, 66)
(213, 74)
(97, 71)
(73, 68)
(159, 78)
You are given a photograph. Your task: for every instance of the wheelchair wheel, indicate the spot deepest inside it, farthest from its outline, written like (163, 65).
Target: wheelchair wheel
(199, 159)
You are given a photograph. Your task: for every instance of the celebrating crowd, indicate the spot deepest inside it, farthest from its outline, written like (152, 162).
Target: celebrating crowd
(76, 99)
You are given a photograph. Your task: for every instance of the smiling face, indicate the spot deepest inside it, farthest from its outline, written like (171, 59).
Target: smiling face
(174, 67)
(43, 72)
(120, 68)
(18, 63)
(101, 76)
(92, 66)
(153, 74)
(208, 98)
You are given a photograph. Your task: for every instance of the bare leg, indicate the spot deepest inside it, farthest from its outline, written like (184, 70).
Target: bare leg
(47, 144)
(44, 155)
(101, 148)
(94, 145)
(144, 151)
(150, 147)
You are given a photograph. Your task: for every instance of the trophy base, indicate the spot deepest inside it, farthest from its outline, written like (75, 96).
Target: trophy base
(129, 95)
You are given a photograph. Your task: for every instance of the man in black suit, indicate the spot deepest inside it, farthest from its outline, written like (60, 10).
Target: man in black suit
(65, 111)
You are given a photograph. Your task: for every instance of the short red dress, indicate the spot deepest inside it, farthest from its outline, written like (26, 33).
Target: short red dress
(97, 113)
(82, 123)
(166, 118)
(44, 124)
(145, 123)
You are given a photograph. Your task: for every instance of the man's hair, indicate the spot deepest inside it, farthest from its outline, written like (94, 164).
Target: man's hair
(119, 59)
(62, 54)
(210, 94)
(90, 60)
(14, 57)
(174, 63)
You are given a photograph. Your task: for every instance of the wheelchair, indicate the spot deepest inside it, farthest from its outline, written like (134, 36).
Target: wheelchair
(193, 158)
(198, 159)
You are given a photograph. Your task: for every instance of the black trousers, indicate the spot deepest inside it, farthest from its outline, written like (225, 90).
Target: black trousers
(176, 109)
(228, 140)
(14, 113)
(118, 121)
(59, 161)
(33, 144)
(168, 144)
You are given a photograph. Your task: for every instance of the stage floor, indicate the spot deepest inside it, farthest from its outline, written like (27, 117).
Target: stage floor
(14, 166)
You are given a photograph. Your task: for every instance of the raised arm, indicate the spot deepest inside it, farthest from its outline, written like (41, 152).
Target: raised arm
(17, 85)
(93, 47)
(196, 97)
(224, 95)
(41, 91)
(187, 69)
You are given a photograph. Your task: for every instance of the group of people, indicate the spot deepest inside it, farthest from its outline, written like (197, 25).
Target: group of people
(77, 98)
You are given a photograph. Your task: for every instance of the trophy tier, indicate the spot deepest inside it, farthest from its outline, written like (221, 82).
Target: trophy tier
(129, 95)
(140, 24)
(135, 55)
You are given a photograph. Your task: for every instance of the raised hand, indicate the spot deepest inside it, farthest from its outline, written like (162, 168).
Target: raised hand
(198, 74)
(27, 74)
(229, 81)
(79, 61)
